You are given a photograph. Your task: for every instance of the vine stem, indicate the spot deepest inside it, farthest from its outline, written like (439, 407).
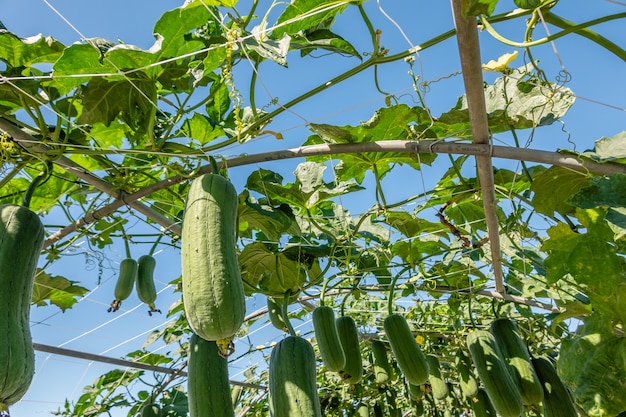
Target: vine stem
(323, 291)
(392, 287)
(374, 60)
(156, 243)
(34, 184)
(569, 28)
(558, 21)
(284, 310)
(126, 244)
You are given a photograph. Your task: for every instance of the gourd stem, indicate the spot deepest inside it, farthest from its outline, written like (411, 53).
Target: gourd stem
(156, 243)
(323, 292)
(284, 307)
(126, 245)
(215, 169)
(28, 194)
(392, 286)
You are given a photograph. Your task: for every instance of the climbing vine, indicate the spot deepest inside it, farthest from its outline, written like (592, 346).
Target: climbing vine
(372, 218)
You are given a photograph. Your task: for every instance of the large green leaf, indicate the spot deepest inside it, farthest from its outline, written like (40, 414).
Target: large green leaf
(602, 191)
(104, 100)
(307, 191)
(554, 187)
(202, 129)
(271, 273)
(56, 290)
(593, 365)
(76, 60)
(611, 149)
(304, 14)
(409, 225)
(589, 258)
(24, 52)
(322, 39)
(389, 123)
(607, 192)
(273, 222)
(515, 104)
(174, 26)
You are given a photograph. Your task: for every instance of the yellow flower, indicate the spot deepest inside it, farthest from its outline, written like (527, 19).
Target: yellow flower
(420, 339)
(501, 64)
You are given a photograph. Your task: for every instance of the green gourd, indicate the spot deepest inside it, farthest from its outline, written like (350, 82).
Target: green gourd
(352, 372)
(362, 410)
(437, 383)
(151, 410)
(557, 401)
(327, 338)
(293, 380)
(208, 388)
(481, 405)
(21, 240)
(494, 374)
(515, 354)
(409, 356)
(415, 392)
(213, 291)
(145, 282)
(274, 312)
(380, 362)
(467, 380)
(125, 282)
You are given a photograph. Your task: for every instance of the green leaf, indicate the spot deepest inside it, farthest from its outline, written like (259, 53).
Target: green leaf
(554, 187)
(272, 221)
(175, 25)
(478, 7)
(388, 123)
(610, 149)
(270, 273)
(510, 107)
(616, 219)
(592, 365)
(266, 48)
(304, 14)
(602, 191)
(219, 102)
(148, 357)
(307, 191)
(24, 52)
(202, 129)
(375, 261)
(55, 290)
(104, 100)
(413, 251)
(589, 258)
(572, 309)
(469, 215)
(322, 39)
(77, 59)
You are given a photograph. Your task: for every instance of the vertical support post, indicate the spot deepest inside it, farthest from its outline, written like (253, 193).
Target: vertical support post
(471, 65)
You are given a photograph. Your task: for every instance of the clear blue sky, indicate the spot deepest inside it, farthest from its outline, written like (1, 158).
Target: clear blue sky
(597, 79)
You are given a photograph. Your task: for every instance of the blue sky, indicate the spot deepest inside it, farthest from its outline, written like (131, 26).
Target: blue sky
(597, 79)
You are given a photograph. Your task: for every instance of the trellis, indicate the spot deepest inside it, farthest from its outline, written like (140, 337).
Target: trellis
(482, 148)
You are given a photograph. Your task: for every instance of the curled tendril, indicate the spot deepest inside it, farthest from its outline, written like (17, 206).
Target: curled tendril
(563, 77)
